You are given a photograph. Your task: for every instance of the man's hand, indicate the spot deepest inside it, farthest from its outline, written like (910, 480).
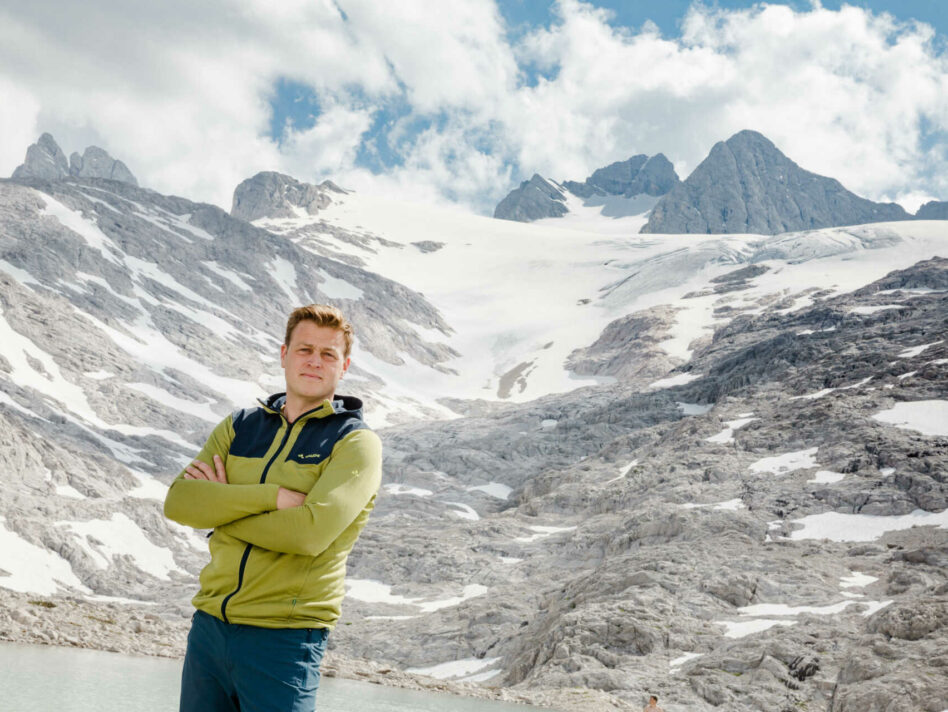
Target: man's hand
(287, 498)
(198, 470)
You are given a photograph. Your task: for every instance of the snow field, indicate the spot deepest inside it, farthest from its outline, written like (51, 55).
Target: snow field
(104, 539)
(33, 569)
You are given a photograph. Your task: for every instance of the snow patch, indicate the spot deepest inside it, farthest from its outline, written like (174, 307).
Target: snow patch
(856, 580)
(336, 288)
(727, 435)
(543, 532)
(788, 462)
(494, 489)
(679, 380)
(916, 350)
(825, 477)
(837, 526)
(397, 489)
(456, 669)
(694, 408)
(928, 417)
(741, 629)
(874, 309)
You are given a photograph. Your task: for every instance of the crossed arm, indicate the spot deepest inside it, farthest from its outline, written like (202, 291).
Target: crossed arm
(346, 486)
(202, 498)
(270, 516)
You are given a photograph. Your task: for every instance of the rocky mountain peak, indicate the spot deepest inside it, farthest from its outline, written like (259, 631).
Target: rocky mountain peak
(46, 160)
(638, 175)
(275, 195)
(97, 163)
(540, 198)
(746, 184)
(933, 210)
(535, 199)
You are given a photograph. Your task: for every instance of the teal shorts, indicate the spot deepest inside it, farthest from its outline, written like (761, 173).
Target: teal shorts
(230, 667)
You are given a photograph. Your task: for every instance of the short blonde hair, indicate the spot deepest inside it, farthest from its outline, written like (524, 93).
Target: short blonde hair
(322, 315)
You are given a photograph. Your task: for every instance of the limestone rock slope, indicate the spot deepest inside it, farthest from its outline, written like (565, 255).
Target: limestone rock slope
(275, 195)
(746, 185)
(770, 534)
(131, 322)
(746, 511)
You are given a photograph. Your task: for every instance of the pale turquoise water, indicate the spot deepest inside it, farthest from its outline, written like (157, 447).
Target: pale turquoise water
(39, 678)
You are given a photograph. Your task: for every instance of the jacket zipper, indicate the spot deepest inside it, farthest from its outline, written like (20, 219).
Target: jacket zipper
(246, 555)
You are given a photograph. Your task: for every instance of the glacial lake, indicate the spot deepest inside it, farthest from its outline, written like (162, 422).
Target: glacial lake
(43, 678)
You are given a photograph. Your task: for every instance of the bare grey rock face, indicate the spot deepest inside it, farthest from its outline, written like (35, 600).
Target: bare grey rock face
(669, 548)
(535, 199)
(275, 195)
(44, 159)
(638, 175)
(97, 163)
(629, 348)
(540, 198)
(933, 210)
(746, 185)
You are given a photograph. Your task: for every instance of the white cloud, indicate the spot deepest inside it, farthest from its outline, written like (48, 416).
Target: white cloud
(841, 93)
(180, 92)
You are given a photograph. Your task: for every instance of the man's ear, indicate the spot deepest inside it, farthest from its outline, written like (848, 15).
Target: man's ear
(282, 355)
(345, 366)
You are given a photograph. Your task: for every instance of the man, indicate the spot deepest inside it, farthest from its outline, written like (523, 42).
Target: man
(652, 705)
(287, 488)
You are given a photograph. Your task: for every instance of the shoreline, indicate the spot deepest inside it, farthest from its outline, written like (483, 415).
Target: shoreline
(142, 631)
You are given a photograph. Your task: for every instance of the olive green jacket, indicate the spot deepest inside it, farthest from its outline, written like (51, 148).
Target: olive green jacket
(281, 568)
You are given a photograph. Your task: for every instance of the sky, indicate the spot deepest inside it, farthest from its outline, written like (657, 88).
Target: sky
(456, 102)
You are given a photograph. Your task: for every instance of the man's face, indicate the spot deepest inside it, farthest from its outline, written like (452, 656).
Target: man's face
(313, 362)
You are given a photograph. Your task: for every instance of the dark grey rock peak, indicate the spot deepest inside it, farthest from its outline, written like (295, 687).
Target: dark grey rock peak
(45, 160)
(746, 185)
(638, 175)
(933, 210)
(275, 195)
(535, 199)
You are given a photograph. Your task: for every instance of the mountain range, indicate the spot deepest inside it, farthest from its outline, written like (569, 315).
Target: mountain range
(745, 185)
(705, 466)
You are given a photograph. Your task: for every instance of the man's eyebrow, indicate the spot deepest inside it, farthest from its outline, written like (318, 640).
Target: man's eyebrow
(321, 348)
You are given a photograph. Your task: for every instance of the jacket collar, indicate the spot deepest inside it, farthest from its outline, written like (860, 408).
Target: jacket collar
(340, 404)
